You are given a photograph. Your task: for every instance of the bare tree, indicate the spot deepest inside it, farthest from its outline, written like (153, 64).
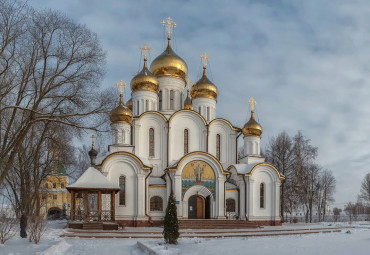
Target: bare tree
(326, 187)
(280, 153)
(365, 190)
(7, 224)
(52, 70)
(336, 212)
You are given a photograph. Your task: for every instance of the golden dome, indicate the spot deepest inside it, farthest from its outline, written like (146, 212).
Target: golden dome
(168, 63)
(204, 88)
(129, 104)
(145, 81)
(121, 114)
(252, 127)
(188, 105)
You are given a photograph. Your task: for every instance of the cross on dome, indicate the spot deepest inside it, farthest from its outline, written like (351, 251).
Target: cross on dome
(92, 141)
(121, 86)
(169, 24)
(145, 49)
(205, 59)
(252, 103)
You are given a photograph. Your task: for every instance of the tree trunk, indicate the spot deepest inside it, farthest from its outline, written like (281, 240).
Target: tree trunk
(23, 225)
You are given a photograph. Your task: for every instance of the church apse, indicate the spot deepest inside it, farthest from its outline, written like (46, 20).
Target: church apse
(198, 173)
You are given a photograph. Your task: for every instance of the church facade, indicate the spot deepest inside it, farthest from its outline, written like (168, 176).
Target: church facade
(167, 138)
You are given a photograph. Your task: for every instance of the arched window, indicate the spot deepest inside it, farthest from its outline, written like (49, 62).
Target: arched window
(160, 100)
(200, 110)
(137, 107)
(151, 142)
(218, 146)
(156, 204)
(172, 101)
(147, 105)
(262, 195)
(122, 190)
(230, 205)
(208, 113)
(186, 141)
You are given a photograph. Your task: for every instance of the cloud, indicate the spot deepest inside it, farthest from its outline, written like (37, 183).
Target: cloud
(305, 62)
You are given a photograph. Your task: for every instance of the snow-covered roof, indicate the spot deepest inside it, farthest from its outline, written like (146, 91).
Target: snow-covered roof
(230, 186)
(244, 168)
(93, 179)
(156, 181)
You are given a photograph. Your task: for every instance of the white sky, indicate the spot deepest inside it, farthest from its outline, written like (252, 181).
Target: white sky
(305, 62)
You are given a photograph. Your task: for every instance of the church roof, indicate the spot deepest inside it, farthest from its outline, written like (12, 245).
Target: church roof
(93, 179)
(156, 181)
(247, 169)
(244, 168)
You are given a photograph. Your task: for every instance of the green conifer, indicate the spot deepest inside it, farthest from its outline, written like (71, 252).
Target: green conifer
(171, 223)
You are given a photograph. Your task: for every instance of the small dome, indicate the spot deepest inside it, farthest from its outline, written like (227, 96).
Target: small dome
(145, 81)
(93, 153)
(204, 88)
(169, 63)
(252, 127)
(129, 104)
(188, 104)
(121, 114)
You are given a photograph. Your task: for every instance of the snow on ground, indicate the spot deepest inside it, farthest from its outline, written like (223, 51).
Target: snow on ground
(356, 242)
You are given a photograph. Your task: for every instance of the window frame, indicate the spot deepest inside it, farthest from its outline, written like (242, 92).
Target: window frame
(186, 141)
(155, 203)
(122, 192)
(262, 190)
(151, 142)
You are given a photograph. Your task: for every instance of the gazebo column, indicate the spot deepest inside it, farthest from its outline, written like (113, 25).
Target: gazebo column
(86, 206)
(73, 205)
(99, 206)
(113, 204)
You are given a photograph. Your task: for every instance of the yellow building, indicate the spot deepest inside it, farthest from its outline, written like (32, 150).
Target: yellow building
(55, 199)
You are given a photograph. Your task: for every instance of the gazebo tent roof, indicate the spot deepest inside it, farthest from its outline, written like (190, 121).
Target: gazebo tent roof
(93, 179)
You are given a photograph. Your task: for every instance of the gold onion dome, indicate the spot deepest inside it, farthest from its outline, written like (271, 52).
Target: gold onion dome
(204, 88)
(145, 81)
(169, 63)
(252, 127)
(129, 104)
(121, 114)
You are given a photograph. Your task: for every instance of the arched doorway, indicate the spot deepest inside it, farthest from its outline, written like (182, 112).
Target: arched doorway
(54, 213)
(199, 207)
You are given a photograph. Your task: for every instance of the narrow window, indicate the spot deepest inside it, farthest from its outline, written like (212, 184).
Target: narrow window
(137, 107)
(151, 142)
(62, 185)
(55, 197)
(156, 204)
(54, 185)
(208, 113)
(160, 100)
(172, 95)
(262, 195)
(230, 205)
(122, 190)
(186, 141)
(218, 146)
(46, 185)
(146, 105)
(182, 100)
(199, 110)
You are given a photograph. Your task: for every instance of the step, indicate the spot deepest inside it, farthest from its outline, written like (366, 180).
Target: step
(92, 226)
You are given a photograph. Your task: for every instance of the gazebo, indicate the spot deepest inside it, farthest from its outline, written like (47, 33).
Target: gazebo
(93, 201)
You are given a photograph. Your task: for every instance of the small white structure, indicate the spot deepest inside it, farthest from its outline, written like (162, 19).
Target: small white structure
(166, 143)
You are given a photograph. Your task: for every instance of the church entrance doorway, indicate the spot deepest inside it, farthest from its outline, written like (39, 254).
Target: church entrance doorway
(199, 207)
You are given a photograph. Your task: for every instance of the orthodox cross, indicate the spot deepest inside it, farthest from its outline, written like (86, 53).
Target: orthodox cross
(205, 59)
(169, 24)
(252, 103)
(121, 85)
(146, 49)
(92, 141)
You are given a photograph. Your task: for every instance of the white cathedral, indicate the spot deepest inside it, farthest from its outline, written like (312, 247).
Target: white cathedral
(166, 140)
